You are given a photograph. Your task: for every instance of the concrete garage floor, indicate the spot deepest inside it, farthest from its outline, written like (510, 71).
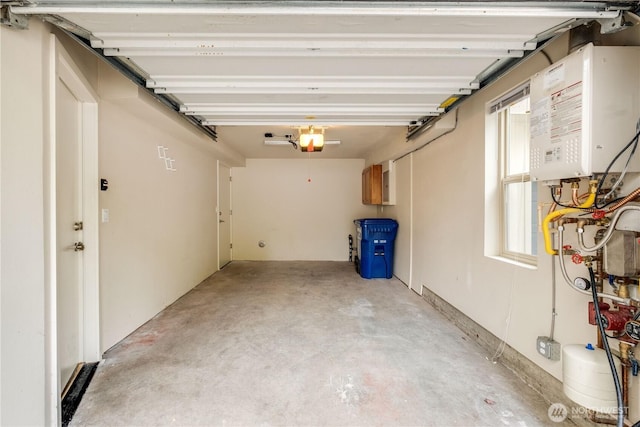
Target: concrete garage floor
(303, 344)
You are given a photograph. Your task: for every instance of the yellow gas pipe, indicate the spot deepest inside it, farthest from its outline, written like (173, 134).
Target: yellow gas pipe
(548, 246)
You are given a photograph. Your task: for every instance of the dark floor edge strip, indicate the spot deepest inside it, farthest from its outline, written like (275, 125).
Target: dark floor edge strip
(73, 397)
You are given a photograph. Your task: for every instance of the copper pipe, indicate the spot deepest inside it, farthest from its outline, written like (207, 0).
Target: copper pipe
(582, 197)
(563, 220)
(599, 336)
(634, 194)
(599, 288)
(625, 387)
(599, 272)
(623, 290)
(574, 193)
(625, 363)
(586, 221)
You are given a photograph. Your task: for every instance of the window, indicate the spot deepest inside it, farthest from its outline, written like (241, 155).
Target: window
(516, 199)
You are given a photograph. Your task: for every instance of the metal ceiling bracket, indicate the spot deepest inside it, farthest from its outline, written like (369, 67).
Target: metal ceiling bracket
(9, 19)
(613, 25)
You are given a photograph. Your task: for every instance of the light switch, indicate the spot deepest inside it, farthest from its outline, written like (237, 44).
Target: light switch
(105, 215)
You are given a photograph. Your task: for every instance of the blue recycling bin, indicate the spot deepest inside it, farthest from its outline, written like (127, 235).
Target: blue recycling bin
(375, 241)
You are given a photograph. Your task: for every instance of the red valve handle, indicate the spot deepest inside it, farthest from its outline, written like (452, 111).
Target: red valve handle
(577, 258)
(599, 214)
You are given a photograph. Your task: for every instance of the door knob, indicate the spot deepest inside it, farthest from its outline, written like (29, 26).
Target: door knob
(77, 226)
(78, 246)
(222, 220)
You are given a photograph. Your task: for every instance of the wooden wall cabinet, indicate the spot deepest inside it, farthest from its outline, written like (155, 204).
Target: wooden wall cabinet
(372, 185)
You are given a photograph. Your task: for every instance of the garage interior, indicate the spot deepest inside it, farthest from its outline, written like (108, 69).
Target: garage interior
(303, 343)
(152, 158)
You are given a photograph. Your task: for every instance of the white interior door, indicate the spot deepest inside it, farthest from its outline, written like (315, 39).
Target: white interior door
(224, 215)
(73, 295)
(69, 222)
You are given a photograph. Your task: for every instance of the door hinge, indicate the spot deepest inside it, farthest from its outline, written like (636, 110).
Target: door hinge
(230, 245)
(230, 212)
(230, 179)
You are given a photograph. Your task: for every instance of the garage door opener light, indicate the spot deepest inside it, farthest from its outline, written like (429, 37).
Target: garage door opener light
(311, 141)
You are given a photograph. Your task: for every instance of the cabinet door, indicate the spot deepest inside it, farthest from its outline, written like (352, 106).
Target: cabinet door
(366, 186)
(372, 185)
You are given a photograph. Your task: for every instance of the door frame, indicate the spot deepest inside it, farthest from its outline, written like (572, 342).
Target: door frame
(221, 165)
(61, 64)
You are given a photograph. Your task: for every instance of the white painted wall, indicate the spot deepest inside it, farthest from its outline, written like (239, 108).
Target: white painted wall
(161, 238)
(22, 315)
(402, 212)
(298, 220)
(160, 241)
(511, 301)
(448, 209)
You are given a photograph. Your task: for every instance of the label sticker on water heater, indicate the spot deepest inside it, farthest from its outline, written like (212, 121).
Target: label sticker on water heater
(566, 112)
(554, 76)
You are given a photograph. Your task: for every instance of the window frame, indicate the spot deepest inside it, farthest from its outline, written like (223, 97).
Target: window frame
(498, 112)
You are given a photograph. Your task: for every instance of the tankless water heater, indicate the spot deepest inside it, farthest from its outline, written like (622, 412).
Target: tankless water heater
(584, 110)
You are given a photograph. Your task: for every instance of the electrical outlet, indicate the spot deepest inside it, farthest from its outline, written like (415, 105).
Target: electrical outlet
(548, 348)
